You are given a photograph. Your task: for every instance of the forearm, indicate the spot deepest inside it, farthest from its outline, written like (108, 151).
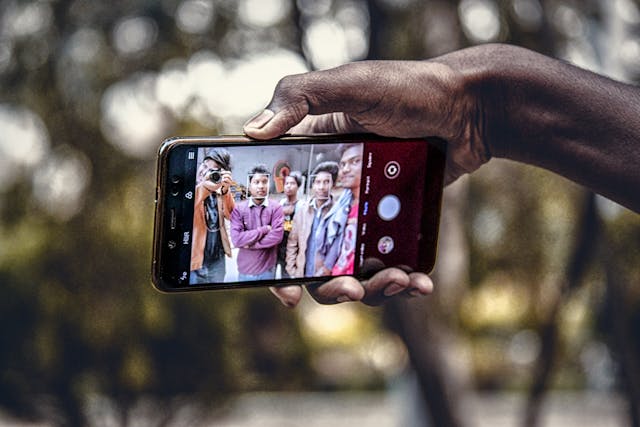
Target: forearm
(244, 238)
(547, 113)
(272, 237)
(240, 237)
(269, 240)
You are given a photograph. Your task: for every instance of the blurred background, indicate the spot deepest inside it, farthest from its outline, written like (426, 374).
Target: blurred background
(536, 315)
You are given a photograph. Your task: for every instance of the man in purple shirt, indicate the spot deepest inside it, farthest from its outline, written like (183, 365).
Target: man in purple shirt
(257, 229)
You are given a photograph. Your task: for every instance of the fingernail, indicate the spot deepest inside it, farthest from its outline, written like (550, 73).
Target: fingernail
(343, 298)
(259, 121)
(393, 289)
(415, 293)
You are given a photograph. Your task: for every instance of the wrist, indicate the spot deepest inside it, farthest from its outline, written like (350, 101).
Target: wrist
(509, 86)
(469, 106)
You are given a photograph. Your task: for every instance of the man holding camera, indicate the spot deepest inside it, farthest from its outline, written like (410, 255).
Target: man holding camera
(213, 202)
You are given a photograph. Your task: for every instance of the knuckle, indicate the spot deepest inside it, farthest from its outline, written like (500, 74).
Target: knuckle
(396, 275)
(289, 85)
(289, 99)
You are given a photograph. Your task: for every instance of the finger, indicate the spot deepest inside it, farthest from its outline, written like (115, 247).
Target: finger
(288, 295)
(210, 186)
(394, 281)
(386, 283)
(340, 289)
(420, 285)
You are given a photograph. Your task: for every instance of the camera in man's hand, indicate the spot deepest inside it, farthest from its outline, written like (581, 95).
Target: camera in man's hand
(214, 175)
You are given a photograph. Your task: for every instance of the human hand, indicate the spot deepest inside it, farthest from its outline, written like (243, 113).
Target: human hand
(226, 181)
(211, 187)
(389, 98)
(402, 99)
(382, 285)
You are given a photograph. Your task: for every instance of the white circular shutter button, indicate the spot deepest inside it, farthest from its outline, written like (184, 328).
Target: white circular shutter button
(389, 207)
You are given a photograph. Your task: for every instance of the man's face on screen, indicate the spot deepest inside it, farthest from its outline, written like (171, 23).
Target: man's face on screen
(204, 167)
(322, 184)
(290, 186)
(351, 167)
(259, 186)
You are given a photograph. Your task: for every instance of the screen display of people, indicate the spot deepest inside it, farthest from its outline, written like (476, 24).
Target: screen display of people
(275, 212)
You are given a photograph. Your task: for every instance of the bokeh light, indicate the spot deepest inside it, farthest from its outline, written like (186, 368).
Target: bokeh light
(528, 14)
(24, 19)
(568, 21)
(132, 118)
(134, 34)
(59, 184)
(6, 54)
(24, 142)
(195, 16)
(628, 11)
(480, 20)
(84, 46)
(263, 13)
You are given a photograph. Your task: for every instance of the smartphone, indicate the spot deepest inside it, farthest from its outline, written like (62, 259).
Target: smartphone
(234, 212)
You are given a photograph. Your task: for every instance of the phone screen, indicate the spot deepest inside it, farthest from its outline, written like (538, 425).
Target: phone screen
(296, 210)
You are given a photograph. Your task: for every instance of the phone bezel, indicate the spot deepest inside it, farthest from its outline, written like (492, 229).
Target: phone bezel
(431, 205)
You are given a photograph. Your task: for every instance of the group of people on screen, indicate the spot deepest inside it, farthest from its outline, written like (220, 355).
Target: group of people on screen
(309, 237)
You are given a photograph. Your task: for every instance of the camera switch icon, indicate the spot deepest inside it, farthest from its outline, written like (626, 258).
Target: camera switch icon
(392, 169)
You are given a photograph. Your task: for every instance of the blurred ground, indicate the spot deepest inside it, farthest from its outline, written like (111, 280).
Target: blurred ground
(391, 410)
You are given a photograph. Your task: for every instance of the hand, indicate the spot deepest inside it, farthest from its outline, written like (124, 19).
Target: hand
(226, 181)
(383, 285)
(402, 99)
(389, 98)
(486, 100)
(211, 187)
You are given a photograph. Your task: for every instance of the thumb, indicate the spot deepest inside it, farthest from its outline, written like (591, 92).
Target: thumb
(346, 89)
(287, 108)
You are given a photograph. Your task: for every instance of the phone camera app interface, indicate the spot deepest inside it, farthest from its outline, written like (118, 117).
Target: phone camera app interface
(393, 199)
